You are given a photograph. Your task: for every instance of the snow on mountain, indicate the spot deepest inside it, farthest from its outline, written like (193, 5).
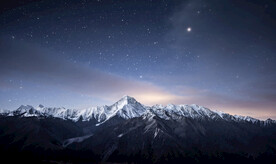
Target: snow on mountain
(177, 111)
(269, 121)
(26, 111)
(127, 107)
(3, 111)
(75, 139)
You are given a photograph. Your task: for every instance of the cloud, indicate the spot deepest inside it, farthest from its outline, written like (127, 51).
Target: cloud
(40, 66)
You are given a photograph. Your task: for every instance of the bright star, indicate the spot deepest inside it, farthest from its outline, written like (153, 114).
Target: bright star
(189, 29)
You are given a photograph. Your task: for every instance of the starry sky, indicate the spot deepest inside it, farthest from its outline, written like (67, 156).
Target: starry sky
(217, 53)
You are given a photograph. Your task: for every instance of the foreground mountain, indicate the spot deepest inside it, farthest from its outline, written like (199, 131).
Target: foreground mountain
(128, 131)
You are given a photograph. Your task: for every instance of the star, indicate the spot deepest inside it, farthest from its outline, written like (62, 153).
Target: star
(189, 29)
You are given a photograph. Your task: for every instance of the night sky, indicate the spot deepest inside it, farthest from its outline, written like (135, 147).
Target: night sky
(216, 53)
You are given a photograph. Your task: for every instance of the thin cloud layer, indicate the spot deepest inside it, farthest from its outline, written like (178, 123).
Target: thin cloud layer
(39, 66)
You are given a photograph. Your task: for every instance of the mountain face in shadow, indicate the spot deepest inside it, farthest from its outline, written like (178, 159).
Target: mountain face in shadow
(129, 132)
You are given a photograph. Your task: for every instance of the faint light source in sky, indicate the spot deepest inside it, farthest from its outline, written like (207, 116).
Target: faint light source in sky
(189, 29)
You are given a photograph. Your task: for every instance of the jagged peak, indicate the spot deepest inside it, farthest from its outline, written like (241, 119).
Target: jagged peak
(126, 97)
(126, 100)
(269, 120)
(26, 107)
(41, 106)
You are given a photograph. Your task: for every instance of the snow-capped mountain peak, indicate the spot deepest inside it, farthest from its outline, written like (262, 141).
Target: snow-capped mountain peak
(126, 100)
(24, 107)
(269, 121)
(40, 106)
(127, 108)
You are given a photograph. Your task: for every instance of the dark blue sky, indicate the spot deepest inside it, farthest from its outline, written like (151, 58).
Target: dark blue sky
(217, 53)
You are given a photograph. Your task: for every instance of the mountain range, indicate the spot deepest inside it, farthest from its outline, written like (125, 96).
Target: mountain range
(130, 132)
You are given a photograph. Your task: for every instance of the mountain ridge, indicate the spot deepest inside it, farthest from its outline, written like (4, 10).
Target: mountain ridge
(127, 107)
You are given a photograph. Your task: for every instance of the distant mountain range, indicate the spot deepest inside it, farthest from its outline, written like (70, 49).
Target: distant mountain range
(129, 132)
